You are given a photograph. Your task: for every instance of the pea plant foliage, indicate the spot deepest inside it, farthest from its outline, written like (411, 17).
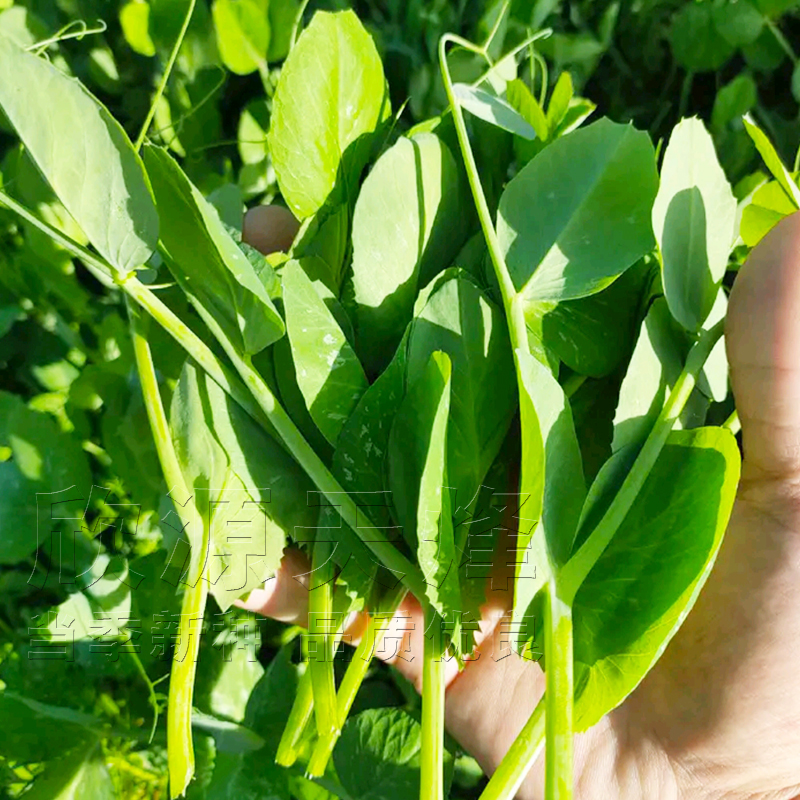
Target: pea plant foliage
(508, 300)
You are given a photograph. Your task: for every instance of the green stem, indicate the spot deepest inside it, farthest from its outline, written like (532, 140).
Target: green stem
(274, 417)
(733, 423)
(782, 41)
(354, 677)
(574, 572)
(433, 689)
(151, 689)
(299, 717)
(180, 752)
(558, 696)
(321, 638)
(513, 305)
(519, 759)
(162, 84)
(686, 90)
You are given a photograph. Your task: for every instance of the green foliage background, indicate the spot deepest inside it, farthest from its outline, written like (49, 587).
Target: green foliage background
(70, 407)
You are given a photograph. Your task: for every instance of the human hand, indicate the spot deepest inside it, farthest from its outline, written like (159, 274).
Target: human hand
(718, 716)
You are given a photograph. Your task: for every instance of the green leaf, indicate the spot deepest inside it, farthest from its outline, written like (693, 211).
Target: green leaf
(418, 479)
(330, 98)
(322, 245)
(559, 213)
(243, 34)
(737, 21)
(552, 488)
(733, 100)
(235, 488)
(647, 580)
(328, 372)
(207, 262)
(378, 755)
(697, 44)
(282, 16)
(592, 335)
(134, 19)
(559, 100)
(521, 99)
(772, 160)
(406, 228)
(44, 481)
(493, 109)
(768, 206)
(93, 170)
(252, 132)
(459, 319)
(76, 776)
(693, 217)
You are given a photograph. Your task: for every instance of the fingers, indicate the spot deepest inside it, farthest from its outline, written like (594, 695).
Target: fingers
(269, 228)
(284, 597)
(763, 342)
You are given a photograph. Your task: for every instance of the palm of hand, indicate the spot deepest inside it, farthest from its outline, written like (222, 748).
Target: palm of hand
(719, 715)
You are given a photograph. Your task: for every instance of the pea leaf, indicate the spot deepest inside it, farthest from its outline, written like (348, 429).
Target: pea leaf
(45, 480)
(76, 775)
(328, 372)
(520, 98)
(552, 488)
(94, 170)
(282, 16)
(772, 160)
(419, 482)
(559, 100)
(647, 580)
(134, 19)
(407, 219)
(697, 44)
(556, 217)
(493, 109)
(378, 755)
(767, 207)
(693, 218)
(243, 33)
(207, 262)
(459, 319)
(329, 100)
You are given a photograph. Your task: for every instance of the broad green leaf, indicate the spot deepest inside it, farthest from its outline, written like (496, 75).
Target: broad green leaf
(94, 170)
(772, 160)
(768, 206)
(739, 22)
(559, 100)
(657, 361)
(44, 481)
(134, 19)
(237, 473)
(330, 98)
(648, 578)
(243, 33)
(697, 44)
(322, 245)
(378, 756)
(493, 109)
(519, 96)
(75, 776)
(34, 732)
(693, 218)
(406, 228)
(459, 319)
(328, 372)
(733, 100)
(418, 479)
(252, 132)
(559, 213)
(282, 16)
(207, 262)
(592, 335)
(552, 489)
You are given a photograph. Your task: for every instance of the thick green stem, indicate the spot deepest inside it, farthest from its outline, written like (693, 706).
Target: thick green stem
(433, 689)
(299, 717)
(519, 759)
(273, 415)
(180, 751)
(321, 638)
(558, 696)
(354, 677)
(574, 572)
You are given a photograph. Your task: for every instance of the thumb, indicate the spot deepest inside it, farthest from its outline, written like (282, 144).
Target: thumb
(763, 343)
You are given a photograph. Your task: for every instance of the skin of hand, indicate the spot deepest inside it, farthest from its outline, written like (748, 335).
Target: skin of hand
(719, 714)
